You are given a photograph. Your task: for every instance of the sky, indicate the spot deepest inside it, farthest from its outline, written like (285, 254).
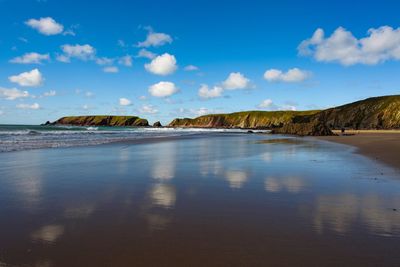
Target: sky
(165, 59)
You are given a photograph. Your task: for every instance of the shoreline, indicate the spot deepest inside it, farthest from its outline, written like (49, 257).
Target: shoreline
(380, 145)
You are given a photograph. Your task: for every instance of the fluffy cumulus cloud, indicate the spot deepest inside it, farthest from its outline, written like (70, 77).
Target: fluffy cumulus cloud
(236, 81)
(148, 109)
(206, 93)
(191, 68)
(31, 58)
(265, 103)
(162, 65)
(111, 69)
(31, 78)
(146, 54)
(291, 76)
(46, 26)
(82, 52)
(163, 89)
(33, 106)
(13, 93)
(125, 102)
(342, 46)
(155, 39)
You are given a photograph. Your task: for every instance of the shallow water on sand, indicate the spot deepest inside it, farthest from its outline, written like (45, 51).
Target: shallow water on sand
(207, 200)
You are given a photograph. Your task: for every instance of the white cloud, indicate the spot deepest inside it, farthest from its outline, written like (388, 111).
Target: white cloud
(50, 93)
(155, 39)
(191, 68)
(205, 92)
(148, 109)
(202, 111)
(125, 61)
(82, 52)
(265, 103)
(142, 97)
(111, 69)
(30, 58)
(27, 106)
(104, 61)
(269, 105)
(163, 89)
(1, 112)
(13, 93)
(291, 76)
(162, 65)
(31, 78)
(46, 26)
(125, 102)
(146, 54)
(235, 81)
(378, 46)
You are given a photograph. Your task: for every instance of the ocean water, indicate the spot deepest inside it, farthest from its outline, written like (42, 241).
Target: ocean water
(199, 200)
(23, 137)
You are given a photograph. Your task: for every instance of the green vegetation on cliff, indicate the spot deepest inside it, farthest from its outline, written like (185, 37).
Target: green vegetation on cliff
(372, 113)
(102, 121)
(245, 119)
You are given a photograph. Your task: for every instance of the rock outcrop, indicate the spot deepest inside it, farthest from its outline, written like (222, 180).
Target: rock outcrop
(132, 121)
(157, 124)
(315, 128)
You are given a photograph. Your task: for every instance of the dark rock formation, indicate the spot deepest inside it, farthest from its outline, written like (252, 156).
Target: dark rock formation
(157, 124)
(315, 128)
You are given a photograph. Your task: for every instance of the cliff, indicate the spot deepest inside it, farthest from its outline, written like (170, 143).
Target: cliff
(102, 121)
(245, 119)
(373, 113)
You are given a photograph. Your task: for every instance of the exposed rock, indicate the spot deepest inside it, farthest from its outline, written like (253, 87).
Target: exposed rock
(304, 129)
(157, 124)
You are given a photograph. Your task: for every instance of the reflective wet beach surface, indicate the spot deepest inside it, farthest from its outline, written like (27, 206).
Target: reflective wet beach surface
(207, 200)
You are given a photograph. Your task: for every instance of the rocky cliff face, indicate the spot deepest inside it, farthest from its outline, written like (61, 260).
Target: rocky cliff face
(102, 121)
(246, 119)
(372, 113)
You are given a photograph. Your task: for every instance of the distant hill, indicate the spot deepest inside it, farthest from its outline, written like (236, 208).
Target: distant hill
(372, 113)
(102, 121)
(245, 119)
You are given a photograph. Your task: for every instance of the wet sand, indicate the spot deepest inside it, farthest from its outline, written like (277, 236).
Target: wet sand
(204, 200)
(383, 146)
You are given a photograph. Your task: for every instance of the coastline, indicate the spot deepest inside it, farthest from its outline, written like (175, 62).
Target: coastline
(380, 145)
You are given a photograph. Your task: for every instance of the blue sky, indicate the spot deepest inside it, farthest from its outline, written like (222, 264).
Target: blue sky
(167, 59)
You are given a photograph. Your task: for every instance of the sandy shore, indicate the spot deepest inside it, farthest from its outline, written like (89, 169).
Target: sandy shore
(380, 145)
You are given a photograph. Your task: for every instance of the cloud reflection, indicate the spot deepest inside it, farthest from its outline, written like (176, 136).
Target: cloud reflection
(48, 233)
(290, 184)
(163, 195)
(339, 213)
(236, 179)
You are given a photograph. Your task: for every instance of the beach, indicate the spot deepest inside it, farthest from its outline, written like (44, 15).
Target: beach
(383, 146)
(214, 199)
